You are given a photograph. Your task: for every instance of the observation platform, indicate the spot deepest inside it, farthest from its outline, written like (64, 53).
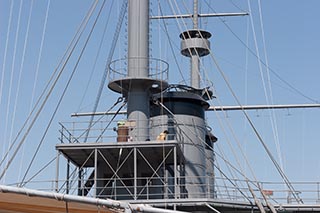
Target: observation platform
(149, 73)
(83, 154)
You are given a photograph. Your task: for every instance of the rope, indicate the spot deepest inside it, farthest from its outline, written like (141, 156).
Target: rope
(22, 184)
(113, 117)
(40, 54)
(237, 142)
(255, 130)
(111, 52)
(222, 178)
(63, 62)
(272, 118)
(280, 171)
(171, 45)
(11, 76)
(255, 55)
(92, 124)
(184, 37)
(41, 106)
(190, 131)
(229, 166)
(63, 93)
(274, 124)
(12, 70)
(4, 64)
(97, 55)
(18, 89)
(120, 99)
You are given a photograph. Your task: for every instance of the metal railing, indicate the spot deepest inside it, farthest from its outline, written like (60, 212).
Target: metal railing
(149, 188)
(76, 132)
(109, 131)
(219, 188)
(156, 68)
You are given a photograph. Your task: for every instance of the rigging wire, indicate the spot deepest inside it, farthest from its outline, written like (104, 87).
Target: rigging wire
(280, 171)
(242, 171)
(74, 171)
(246, 85)
(184, 37)
(4, 64)
(170, 44)
(256, 132)
(85, 132)
(111, 52)
(190, 52)
(238, 145)
(217, 184)
(202, 141)
(178, 23)
(113, 117)
(120, 99)
(97, 55)
(230, 168)
(236, 6)
(272, 115)
(12, 73)
(234, 184)
(274, 124)
(195, 50)
(22, 184)
(268, 99)
(46, 97)
(19, 79)
(256, 183)
(64, 91)
(239, 164)
(63, 62)
(270, 68)
(40, 54)
(282, 174)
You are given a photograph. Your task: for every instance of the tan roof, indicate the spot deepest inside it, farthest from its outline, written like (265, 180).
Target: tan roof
(17, 203)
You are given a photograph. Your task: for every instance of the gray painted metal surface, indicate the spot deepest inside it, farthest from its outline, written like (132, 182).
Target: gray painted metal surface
(138, 66)
(190, 133)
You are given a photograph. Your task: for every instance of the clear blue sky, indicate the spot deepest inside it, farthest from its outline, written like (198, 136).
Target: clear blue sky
(292, 45)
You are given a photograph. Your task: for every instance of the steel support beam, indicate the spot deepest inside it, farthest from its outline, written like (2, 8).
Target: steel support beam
(199, 15)
(57, 171)
(95, 171)
(135, 172)
(176, 187)
(68, 177)
(217, 108)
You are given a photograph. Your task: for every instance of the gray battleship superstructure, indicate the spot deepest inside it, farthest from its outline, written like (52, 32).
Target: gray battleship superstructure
(163, 151)
(162, 154)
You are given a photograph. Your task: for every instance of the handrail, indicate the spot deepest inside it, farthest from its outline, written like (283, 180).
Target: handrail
(309, 191)
(157, 68)
(72, 132)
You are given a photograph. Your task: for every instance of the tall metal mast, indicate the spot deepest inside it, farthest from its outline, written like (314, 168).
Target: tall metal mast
(138, 63)
(195, 71)
(195, 44)
(142, 76)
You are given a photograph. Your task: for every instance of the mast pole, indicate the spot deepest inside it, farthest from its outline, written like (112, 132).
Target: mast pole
(195, 70)
(138, 67)
(195, 14)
